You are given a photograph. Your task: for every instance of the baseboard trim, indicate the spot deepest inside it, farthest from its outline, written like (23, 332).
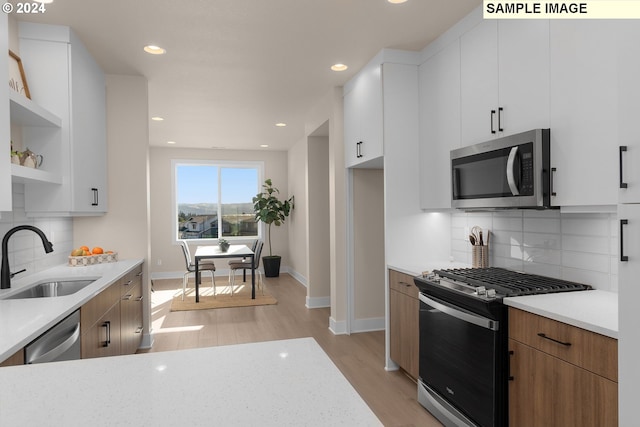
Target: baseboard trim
(299, 277)
(337, 327)
(318, 302)
(368, 325)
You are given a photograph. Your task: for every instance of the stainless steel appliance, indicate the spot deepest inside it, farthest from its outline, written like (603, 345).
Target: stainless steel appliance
(61, 342)
(509, 172)
(463, 372)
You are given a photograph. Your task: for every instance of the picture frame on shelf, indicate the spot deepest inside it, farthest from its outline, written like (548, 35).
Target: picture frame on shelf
(17, 77)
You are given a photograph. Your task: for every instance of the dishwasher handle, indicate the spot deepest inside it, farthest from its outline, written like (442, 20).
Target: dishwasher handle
(55, 352)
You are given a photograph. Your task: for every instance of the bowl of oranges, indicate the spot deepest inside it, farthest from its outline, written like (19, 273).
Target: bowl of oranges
(83, 256)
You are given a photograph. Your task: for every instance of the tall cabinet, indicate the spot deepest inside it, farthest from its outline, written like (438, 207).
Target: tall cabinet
(628, 217)
(66, 80)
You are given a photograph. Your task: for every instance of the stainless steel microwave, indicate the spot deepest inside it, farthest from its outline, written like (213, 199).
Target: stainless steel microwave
(512, 172)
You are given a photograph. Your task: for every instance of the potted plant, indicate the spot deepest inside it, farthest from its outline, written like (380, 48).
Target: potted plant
(272, 211)
(223, 244)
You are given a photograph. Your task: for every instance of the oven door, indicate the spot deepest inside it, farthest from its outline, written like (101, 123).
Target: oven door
(458, 365)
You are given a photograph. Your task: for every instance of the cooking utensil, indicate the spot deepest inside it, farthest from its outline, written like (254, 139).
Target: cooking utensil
(472, 239)
(480, 242)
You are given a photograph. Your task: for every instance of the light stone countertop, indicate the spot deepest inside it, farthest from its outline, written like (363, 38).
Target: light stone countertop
(594, 310)
(23, 320)
(274, 383)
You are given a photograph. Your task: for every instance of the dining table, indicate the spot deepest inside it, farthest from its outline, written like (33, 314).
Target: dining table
(234, 251)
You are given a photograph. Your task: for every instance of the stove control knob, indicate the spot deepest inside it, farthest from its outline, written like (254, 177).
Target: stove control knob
(481, 290)
(491, 293)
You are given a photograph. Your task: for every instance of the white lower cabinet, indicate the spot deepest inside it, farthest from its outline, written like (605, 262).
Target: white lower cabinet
(65, 80)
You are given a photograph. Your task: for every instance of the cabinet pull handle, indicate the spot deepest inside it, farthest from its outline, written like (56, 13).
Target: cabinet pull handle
(140, 298)
(138, 330)
(107, 326)
(95, 197)
(509, 376)
(493, 113)
(128, 283)
(553, 171)
(406, 284)
(126, 297)
(139, 274)
(500, 109)
(359, 149)
(623, 257)
(623, 148)
(566, 344)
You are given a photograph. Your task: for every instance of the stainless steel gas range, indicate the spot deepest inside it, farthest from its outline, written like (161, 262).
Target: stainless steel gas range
(463, 369)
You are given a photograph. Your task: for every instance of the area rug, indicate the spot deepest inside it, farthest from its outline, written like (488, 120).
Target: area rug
(223, 299)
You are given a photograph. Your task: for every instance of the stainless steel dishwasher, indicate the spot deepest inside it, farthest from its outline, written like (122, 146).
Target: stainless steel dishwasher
(61, 342)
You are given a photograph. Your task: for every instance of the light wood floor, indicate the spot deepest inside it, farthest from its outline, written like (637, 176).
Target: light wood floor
(360, 357)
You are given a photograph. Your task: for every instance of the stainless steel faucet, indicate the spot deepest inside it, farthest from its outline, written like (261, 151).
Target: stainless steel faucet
(5, 273)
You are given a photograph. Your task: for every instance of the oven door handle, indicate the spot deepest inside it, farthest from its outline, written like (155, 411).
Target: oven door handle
(461, 315)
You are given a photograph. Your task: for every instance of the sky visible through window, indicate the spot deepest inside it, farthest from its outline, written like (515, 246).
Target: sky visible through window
(199, 184)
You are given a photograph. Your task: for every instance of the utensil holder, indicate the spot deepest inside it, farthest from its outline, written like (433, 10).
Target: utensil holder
(480, 256)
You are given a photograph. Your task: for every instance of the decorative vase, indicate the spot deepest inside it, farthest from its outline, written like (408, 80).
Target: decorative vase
(224, 246)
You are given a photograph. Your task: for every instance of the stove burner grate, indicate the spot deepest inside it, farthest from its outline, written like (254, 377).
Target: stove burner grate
(511, 283)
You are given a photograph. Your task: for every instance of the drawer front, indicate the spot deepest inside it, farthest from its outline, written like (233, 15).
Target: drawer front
(402, 282)
(593, 352)
(96, 307)
(129, 281)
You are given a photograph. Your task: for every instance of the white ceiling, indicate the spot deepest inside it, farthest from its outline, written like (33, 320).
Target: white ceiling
(234, 68)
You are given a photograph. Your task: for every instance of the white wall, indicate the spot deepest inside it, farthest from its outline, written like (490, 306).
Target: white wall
(25, 248)
(319, 254)
(298, 220)
(125, 228)
(368, 252)
(164, 249)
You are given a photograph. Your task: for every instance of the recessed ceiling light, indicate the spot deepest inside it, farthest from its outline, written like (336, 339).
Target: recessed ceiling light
(281, 125)
(396, 1)
(171, 142)
(264, 145)
(154, 50)
(157, 119)
(339, 67)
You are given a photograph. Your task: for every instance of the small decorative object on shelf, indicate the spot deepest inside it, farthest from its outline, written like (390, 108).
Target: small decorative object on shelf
(17, 78)
(30, 159)
(15, 155)
(223, 244)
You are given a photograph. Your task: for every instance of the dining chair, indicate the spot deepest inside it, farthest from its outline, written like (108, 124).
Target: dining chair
(204, 265)
(245, 264)
(235, 261)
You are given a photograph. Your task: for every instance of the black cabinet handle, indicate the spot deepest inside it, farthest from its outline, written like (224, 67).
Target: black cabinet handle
(623, 257)
(500, 119)
(623, 148)
(493, 113)
(359, 150)
(566, 344)
(553, 171)
(107, 326)
(509, 376)
(95, 197)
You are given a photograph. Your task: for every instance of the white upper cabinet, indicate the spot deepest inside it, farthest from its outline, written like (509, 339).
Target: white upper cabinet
(479, 83)
(504, 79)
(628, 112)
(363, 118)
(64, 79)
(583, 112)
(439, 82)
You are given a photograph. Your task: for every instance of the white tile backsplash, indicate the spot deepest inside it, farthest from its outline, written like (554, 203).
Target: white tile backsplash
(25, 248)
(578, 247)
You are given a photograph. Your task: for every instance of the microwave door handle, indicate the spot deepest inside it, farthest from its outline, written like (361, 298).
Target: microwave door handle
(511, 180)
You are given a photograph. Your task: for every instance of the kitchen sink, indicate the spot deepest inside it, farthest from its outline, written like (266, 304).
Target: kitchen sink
(58, 288)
